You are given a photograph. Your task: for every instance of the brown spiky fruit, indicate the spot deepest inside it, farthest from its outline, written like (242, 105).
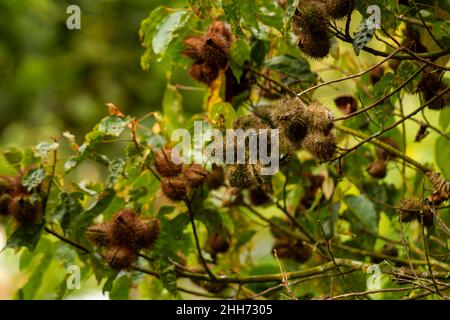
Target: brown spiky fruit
(203, 73)
(315, 46)
(216, 178)
(431, 85)
(147, 232)
(5, 200)
(100, 234)
(174, 188)
(24, 209)
(321, 146)
(320, 118)
(196, 175)
(122, 229)
(240, 176)
(258, 195)
(165, 162)
(339, 9)
(119, 258)
(310, 18)
(377, 169)
(289, 115)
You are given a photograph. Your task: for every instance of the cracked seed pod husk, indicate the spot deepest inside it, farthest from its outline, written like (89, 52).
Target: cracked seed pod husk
(174, 188)
(315, 46)
(258, 195)
(119, 258)
(5, 200)
(311, 18)
(218, 242)
(264, 114)
(122, 229)
(339, 9)
(320, 118)
(164, 162)
(216, 178)
(249, 122)
(377, 169)
(24, 209)
(203, 72)
(99, 234)
(196, 175)
(147, 232)
(240, 176)
(322, 147)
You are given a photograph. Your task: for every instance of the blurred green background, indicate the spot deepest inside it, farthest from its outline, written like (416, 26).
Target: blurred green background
(53, 79)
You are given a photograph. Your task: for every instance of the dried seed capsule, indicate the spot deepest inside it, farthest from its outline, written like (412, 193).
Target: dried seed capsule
(377, 169)
(290, 116)
(119, 258)
(25, 209)
(164, 163)
(321, 146)
(174, 188)
(147, 232)
(320, 118)
(122, 229)
(339, 9)
(311, 18)
(316, 46)
(414, 208)
(240, 175)
(218, 242)
(196, 175)
(383, 154)
(99, 234)
(258, 196)
(217, 177)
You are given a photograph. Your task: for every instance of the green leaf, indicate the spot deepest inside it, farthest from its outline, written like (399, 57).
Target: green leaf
(247, 10)
(13, 156)
(404, 71)
(113, 125)
(239, 53)
(68, 208)
(85, 219)
(211, 218)
(121, 288)
(173, 110)
(200, 7)
(223, 111)
(442, 154)
(29, 290)
(168, 276)
(166, 31)
(27, 235)
(362, 37)
(444, 118)
(109, 282)
(116, 169)
(33, 178)
(364, 210)
(44, 148)
(297, 68)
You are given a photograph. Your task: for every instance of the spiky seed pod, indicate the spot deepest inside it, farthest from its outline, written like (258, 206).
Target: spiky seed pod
(24, 209)
(164, 163)
(216, 178)
(431, 85)
(204, 73)
(320, 118)
(147, 232)
(240, 176)
(218, 242)
(377, 169)
(119, 258)
(289, 115)
(196, 175)
(122, 229)
(193, 47)
(258, 196)
(339, 9)
(5, 200)
(174, 188)
(315, 47)
(99, 234)
(311, 18)
(320, 146)
(442, 188)
(383, 154)
(413, 208)
(5, 185)
(249, 122)
(220, 33)
(263, 113)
